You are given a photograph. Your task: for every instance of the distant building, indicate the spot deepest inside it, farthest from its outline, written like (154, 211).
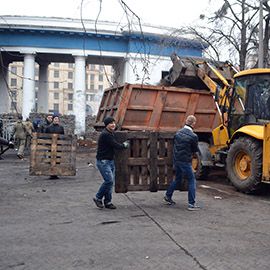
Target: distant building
(60, 80)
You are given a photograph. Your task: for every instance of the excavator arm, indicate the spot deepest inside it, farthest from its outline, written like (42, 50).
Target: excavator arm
(198, 72)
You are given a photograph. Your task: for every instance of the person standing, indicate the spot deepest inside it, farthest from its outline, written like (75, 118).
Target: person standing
(29, 130)
(185, 146)
(45, 124)
(55, 126)
(105, 163)
(19, 133)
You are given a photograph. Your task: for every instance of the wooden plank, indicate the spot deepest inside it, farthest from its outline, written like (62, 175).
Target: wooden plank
(161, 157)
(136, 154)
(54, 149)
(51, 158)
(144, 170)
(153, 161)
(170, 172)
(54, 160)
(138, 188)
(166, 135)
(122, 174)
(137, 161)
(60, 153)
(44, 141)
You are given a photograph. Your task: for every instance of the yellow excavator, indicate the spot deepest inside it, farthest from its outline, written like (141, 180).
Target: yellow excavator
(241, 142)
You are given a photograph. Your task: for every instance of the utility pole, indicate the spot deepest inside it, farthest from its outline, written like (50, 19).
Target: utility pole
(260, 54)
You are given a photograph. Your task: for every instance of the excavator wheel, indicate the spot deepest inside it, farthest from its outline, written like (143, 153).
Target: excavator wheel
(200, 171)
(244, 164)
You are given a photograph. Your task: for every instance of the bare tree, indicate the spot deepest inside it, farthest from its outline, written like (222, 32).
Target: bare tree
(233, 31)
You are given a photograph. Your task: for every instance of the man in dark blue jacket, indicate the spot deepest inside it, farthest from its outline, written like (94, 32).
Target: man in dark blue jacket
(105, 163)
(185, 146)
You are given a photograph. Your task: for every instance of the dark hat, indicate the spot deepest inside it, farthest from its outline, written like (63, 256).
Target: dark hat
(55, 115)
(108, 120)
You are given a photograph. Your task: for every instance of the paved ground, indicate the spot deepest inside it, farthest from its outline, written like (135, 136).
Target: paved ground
(53, 224)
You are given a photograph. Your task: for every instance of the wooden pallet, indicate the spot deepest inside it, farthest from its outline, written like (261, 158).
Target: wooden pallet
(53, 154)
(147, 164)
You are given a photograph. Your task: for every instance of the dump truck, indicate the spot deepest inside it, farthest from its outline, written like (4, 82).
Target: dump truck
(232, 110)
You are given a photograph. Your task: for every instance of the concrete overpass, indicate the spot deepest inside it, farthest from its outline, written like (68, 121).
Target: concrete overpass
(135, 56)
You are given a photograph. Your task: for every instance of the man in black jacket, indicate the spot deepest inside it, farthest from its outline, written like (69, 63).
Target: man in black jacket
(105, 163)
(44, 125)
(55, 127)
(185, 146)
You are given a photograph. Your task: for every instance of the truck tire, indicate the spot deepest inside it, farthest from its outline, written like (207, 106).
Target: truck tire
(244, 164)
(201, 172)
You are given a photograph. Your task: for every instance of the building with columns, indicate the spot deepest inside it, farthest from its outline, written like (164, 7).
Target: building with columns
(60, 87)
(134, 56)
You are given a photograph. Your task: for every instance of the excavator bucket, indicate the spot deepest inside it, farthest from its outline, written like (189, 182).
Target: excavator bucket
(184, 72)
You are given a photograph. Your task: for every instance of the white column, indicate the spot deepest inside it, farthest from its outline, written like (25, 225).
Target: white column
(121, 70)
(43, 95)
(79, 104)
(4, 96)
(28, 85)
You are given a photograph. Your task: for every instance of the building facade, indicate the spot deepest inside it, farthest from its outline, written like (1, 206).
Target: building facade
(60, 86)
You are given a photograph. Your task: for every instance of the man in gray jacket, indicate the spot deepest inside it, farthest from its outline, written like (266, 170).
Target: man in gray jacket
(185, 146)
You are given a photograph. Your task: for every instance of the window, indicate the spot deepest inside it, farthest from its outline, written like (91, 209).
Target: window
(56, 95)
(13, 82)
(92, 77)
(56, 74)
(70, 107)
(56, 85)
(70, 65)
(70, 75)
(92, 67)
(92, 97)
(100, 77)
(92, 87)
(70, 85)
(56, 107)
(100, 87)
(87, 97)
(101, 68)
(13, 105)
(14, 94)
(14, 70)
(56, 64)
(70, 96)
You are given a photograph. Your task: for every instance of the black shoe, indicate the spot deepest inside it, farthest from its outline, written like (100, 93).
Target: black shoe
(54, 177)
(168, 200)
(110, 206)
(98, 203)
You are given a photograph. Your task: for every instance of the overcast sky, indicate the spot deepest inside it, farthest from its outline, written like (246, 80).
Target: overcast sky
(172, 13)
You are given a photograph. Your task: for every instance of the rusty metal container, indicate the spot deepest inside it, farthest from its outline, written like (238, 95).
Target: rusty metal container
(157, 108)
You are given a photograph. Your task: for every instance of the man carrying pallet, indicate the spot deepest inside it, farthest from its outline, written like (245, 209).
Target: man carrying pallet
(105, 163)
(185, 145)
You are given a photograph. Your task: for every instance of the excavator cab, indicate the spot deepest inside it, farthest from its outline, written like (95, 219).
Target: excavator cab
(250, 99)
